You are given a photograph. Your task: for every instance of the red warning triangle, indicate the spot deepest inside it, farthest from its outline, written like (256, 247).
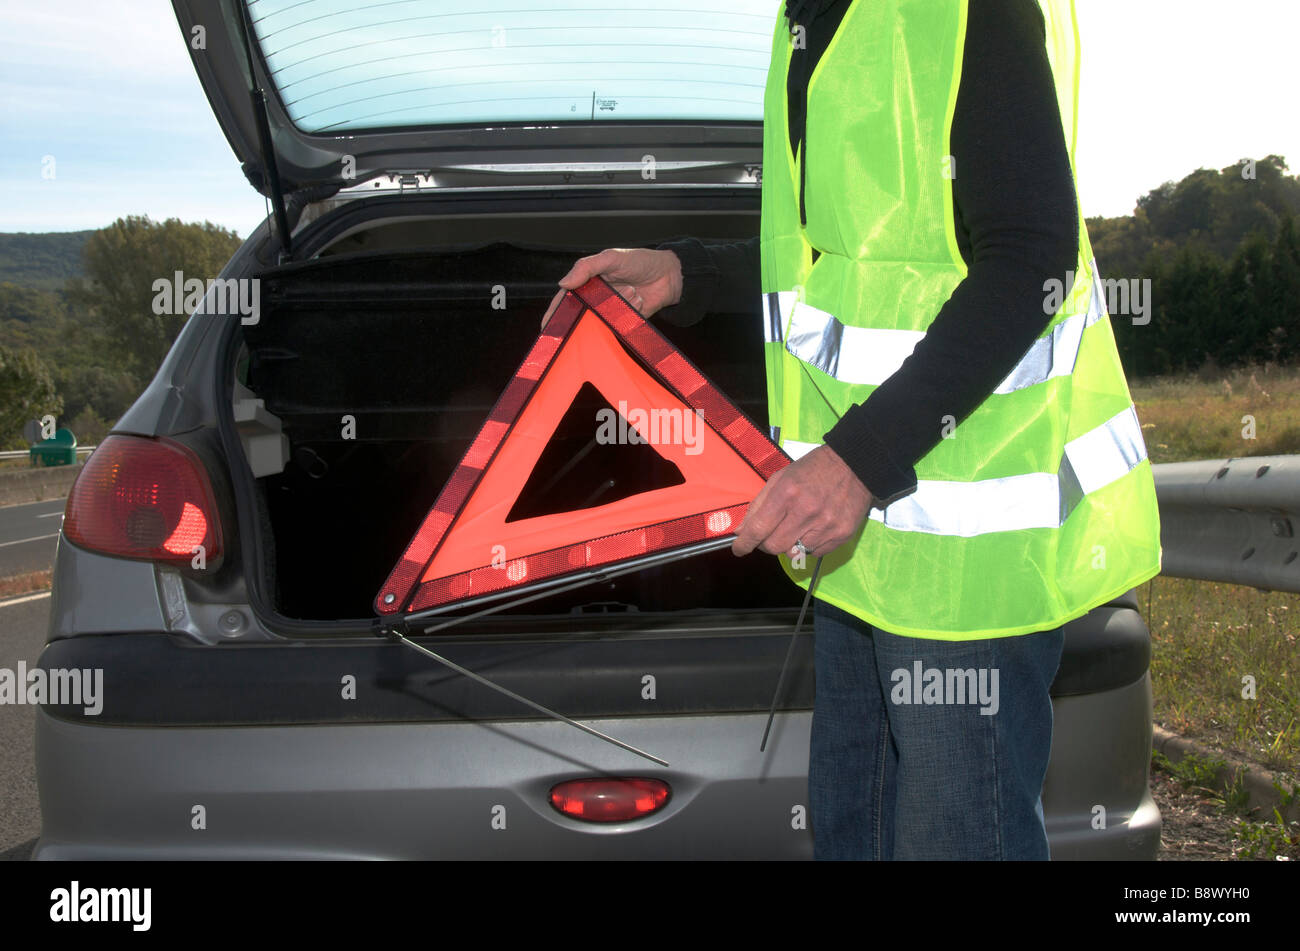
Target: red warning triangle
(469, 546)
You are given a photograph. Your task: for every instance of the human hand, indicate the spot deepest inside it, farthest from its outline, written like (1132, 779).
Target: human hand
(648, 280)
(816, 500)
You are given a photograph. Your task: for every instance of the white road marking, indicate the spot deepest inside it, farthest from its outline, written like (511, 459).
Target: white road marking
(51, 515)
(23, 505)
(34, 538)
(24, 599)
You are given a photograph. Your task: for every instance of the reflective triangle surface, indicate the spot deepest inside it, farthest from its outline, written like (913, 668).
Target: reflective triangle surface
(606, 445)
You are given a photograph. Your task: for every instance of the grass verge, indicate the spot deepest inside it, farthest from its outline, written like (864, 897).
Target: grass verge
(1225, 667)
(1254, 411)
(1220, 795)
(27, 583)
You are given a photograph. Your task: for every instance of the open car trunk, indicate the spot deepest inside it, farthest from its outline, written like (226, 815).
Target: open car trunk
(381, 367)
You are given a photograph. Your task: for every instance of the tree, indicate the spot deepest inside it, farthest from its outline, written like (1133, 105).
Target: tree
(86, 387)
(1221, 250)
(123, 262)
(1247, 316)
(26, 392)
(28, 305)
(1190, 294)
(1284, 293)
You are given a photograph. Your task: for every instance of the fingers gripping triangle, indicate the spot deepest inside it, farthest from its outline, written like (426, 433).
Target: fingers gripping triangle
(468, 546)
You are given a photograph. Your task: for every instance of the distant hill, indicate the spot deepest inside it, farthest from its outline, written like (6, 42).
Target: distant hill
(41, 261)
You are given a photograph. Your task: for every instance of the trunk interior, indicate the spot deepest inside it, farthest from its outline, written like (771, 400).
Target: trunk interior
(381, 366)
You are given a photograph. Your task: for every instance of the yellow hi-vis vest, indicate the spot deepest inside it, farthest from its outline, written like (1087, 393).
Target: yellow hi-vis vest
(1041, 504)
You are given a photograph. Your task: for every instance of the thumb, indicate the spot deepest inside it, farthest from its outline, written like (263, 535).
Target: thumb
(584, 269)
(555, 302)
(748, 534)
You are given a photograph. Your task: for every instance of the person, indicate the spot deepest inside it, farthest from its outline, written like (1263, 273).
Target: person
(968, 463)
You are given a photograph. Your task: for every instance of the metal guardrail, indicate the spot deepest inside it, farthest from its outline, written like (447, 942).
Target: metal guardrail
(24, 453)
(1232, 520)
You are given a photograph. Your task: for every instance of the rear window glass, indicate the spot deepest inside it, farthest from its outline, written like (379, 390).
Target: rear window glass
(341, 66)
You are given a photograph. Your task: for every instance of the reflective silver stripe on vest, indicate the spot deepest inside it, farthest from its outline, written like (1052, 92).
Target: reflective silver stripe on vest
(775, 305)
(1033, 500)
(1056, 354)
(849, 354)
(796, 450)
(866, 356)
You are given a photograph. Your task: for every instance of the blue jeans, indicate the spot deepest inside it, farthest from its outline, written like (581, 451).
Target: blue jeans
(925, 749)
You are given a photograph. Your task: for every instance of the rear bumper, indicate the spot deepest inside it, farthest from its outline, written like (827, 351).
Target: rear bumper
(1134, 836)
(479, 790)
(414, 791)
(1097, 797)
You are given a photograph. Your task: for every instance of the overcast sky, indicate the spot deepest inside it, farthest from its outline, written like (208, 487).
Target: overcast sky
(107, 89)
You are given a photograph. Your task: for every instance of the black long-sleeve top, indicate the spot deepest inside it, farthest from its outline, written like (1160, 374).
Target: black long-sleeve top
(1017, 227)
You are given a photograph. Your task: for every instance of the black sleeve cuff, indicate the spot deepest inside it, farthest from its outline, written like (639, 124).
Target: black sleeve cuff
(856, 442)
(699, 281)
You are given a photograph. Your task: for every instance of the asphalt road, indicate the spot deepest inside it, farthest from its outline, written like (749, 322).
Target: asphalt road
(27, 535)
(22, 635)
(27, 538)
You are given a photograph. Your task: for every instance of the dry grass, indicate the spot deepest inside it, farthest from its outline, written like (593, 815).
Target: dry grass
(1205, 638)
(1200, 416)
(27, 583)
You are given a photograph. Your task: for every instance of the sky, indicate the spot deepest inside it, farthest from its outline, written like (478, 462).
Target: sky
(104, 97)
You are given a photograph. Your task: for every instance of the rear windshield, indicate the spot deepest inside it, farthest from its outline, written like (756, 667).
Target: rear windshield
(343, 66)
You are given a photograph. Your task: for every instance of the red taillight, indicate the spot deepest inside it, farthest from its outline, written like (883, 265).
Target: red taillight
(610, 800)
(144, 498)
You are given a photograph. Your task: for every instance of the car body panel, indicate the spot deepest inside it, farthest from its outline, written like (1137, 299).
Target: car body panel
(416, 791)
(442, 790)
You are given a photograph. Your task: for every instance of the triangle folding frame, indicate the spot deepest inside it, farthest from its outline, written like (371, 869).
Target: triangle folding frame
(468, 545)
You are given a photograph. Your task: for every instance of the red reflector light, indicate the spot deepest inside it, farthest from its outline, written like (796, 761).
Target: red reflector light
(144, 498)
(610, 800)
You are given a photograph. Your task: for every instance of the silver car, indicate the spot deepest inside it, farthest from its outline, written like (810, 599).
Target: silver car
(430, 175)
